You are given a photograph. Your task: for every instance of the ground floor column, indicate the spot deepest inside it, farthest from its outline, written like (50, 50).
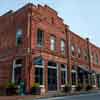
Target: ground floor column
(46, 75)
(28, 73)
(58, 77)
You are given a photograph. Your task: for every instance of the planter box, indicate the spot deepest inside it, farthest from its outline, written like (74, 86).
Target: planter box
(35, 91)
(11, 91)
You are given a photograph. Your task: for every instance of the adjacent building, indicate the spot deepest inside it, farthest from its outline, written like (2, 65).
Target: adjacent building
(37, 47)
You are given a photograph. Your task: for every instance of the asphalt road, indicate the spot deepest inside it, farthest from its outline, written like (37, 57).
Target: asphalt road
(93, 96)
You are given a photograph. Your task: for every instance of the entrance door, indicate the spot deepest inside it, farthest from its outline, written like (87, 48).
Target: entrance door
(98, 80)
(17, 74)
(52, 79)
(17, 71)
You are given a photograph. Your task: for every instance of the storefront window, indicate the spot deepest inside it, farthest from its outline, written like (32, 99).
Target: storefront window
(39, 75)
(73, 78)
(63, 74)
(93, 79)
(52, 76)
(39, 70)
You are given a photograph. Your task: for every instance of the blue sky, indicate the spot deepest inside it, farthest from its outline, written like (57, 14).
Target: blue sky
(83, 16)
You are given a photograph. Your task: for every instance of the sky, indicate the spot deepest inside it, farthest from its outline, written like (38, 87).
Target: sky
(83, 16)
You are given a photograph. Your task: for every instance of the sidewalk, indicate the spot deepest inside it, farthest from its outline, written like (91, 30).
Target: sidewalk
(30, 97)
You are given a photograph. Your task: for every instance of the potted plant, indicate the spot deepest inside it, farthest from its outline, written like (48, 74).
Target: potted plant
(35, 89)
(2, 90)
(10, 88)
(67, 88)
(89, 87)
(79, 87)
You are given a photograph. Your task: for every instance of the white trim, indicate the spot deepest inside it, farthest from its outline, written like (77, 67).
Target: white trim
(18, 65)
(63, 69)
(52, 67)
(94, 85)
(39, 66)
(63, 85)
(73, 86)
(42, 86)
(74, 71)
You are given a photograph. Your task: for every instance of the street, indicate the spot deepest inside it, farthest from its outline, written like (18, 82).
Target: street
(93, 96)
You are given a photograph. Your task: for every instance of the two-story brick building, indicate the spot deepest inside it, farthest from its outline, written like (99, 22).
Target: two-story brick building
(37, 47)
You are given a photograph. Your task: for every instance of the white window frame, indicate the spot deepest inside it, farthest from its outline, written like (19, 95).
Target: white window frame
(19, 33)
(52, 43)
(65, 70)
(62, 44)
(42, 38)
(41, 66)
(13, 71)
(72, 50)
(74, 71)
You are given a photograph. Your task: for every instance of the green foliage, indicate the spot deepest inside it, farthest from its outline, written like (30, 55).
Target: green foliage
(67, 88)
(35, 85)
(10, 85)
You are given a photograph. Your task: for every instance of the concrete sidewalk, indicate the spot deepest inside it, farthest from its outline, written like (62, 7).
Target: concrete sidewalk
(31, 97)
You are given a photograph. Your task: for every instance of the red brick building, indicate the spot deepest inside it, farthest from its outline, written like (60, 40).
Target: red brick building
(37, 47)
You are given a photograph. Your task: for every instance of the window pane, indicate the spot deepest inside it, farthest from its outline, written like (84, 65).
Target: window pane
(52, 43)
(73, 78)
(63, 77)
(40, 37)
(72, 50)
(63, 46)
(39, 75)
(19, 37)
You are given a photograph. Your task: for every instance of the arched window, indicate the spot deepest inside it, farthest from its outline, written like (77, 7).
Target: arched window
(62, 46)
(40, 38)
(85, 53)
(79, 52)
(96, 59)
(53, 43)
(73, 50)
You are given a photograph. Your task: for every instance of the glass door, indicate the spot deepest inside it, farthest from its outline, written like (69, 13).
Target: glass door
(52, 79)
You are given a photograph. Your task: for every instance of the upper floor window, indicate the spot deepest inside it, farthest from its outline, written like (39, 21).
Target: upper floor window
(19, 34)
(62, 46)
(92, 57)
(85, 54)
(96, 59)
(40, 38)
(53, 43)
(79, 52)
(72, 50)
